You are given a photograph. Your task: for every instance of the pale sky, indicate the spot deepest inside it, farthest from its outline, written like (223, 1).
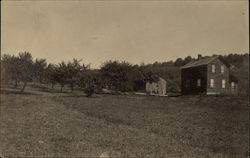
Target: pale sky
(135, 31)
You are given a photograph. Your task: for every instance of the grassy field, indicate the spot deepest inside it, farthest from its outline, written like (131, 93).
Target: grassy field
(40, 123)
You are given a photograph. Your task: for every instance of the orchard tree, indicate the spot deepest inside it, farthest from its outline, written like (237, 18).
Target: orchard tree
(73, 70)
(61, 74)
(117, 74)
(88, 82)
(10, 69)
(39, 70)
(26, 66)
(50, 75)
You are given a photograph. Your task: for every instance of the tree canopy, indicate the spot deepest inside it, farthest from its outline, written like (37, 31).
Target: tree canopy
(116, 75)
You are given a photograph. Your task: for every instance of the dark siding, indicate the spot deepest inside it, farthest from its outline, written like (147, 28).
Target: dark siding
(218, 77)
(189, 77)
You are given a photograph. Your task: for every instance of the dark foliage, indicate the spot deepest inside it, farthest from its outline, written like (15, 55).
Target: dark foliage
(89, 90)
(115, 75)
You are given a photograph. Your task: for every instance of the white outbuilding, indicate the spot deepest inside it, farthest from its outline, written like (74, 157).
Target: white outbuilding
(157, 87)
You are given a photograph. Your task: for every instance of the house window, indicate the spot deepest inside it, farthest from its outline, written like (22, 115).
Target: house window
(212, 83)
(223, 84)
(213, 68)
(198, 82)
(222, 69)
(232, 86)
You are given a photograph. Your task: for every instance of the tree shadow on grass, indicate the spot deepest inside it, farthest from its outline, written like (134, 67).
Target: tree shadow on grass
(81, 96)
(74, 96)
(5, 91)
(46, 90)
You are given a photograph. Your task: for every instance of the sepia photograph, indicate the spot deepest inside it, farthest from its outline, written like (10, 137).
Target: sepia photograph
(124, 79)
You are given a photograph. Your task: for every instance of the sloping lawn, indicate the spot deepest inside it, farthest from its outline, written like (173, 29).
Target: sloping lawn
(66, 124)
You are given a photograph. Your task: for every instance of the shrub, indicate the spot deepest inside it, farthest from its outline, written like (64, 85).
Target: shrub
(89, 90)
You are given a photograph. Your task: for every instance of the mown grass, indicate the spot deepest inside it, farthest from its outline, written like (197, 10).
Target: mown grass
(40, 123)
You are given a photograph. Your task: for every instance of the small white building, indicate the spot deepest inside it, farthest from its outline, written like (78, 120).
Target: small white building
(158, 87)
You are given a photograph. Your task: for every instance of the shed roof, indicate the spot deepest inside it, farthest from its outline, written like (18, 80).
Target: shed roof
(200, 62)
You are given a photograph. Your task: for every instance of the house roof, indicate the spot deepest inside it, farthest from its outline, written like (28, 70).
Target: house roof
(200, 62)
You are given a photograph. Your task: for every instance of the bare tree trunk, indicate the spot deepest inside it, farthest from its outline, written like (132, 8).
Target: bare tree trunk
(72, 87)
(52, 85)
(15, 86)
(61, 88)
(24, 85)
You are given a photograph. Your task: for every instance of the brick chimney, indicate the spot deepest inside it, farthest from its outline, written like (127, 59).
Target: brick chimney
(199, 56)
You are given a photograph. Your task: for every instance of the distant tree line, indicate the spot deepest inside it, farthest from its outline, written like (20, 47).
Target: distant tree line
(115, 75)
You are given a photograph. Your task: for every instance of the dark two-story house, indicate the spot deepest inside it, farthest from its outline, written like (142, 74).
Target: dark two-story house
(209, 75)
